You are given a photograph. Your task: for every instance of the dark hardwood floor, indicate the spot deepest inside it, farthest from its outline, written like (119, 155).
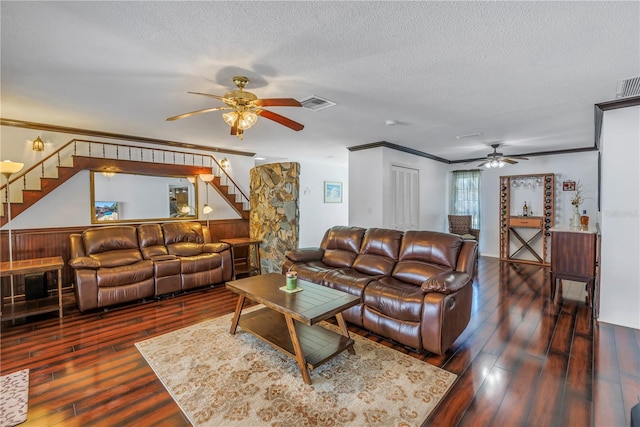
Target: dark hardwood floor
(522, 361)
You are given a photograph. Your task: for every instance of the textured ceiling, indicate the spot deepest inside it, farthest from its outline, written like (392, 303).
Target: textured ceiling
(525, 74)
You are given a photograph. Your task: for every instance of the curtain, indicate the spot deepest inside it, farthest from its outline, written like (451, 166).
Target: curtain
(465, 195)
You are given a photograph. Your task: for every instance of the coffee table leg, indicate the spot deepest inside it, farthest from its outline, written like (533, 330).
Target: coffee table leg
(302, 362)
(236, 315)
(344, 331)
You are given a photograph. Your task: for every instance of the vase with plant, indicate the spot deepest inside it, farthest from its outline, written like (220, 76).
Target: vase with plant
(576, 201)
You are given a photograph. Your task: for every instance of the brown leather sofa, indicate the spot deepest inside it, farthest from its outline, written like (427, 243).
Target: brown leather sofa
(416, 286)
(118, 264)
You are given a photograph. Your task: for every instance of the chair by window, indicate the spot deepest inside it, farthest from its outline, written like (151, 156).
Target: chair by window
(461, 225)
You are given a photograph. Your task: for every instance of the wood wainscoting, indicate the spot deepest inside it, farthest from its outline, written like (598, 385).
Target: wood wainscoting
(48, 242)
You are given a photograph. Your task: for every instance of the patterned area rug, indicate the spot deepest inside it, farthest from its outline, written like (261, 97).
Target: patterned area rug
(222, 379)
(15, 395)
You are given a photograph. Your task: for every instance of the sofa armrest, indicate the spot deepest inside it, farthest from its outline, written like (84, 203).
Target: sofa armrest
(305, 254)
(214, 248)
(158, 258)
(84, 262)
(446, 283)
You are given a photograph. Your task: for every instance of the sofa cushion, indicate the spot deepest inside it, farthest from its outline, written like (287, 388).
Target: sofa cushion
(175, 232)
(125, 275)
(341, 245)
(379, 251)
(201, 262)
(117, 258)
(395, 299)
(184, 249)
(151, 241)
(104, 239)
(426, 253)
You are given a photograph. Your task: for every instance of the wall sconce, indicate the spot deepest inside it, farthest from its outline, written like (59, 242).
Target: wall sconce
(38, 145)
(224, 163)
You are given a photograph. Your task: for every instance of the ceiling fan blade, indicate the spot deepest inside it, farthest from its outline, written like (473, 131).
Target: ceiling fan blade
(211, 96)
(277, 102)
(206, 110)
(518, 157)
(483, 163)
(510, 161)
(280, 119)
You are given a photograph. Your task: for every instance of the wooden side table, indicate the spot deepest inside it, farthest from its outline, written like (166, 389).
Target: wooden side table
(245, 266)
(16, 310)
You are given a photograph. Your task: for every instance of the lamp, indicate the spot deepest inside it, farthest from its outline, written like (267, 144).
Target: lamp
(38, 145)
(206, 177)
(109, 174)
(495, 163)
(186, 209)
(244, 119)
(206, 209)
(8, 168)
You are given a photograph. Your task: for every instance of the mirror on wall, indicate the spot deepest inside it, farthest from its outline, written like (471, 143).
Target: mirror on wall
(123, 197)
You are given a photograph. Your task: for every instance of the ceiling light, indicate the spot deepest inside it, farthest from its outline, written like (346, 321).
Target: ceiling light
(494, 164)
(206, 177)
(469, 135)
(38, 145)
(260, 158)
(390, 122)
(108, 174)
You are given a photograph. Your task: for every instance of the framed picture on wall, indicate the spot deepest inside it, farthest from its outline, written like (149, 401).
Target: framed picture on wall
(332, 192)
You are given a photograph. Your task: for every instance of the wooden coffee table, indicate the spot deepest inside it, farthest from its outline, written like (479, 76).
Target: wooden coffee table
(288, 321)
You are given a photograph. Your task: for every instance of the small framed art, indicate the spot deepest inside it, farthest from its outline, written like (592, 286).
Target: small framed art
(569, 186)
(332, 192)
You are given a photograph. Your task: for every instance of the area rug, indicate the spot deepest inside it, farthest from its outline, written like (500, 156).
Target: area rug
(15, 395)
(219, 379)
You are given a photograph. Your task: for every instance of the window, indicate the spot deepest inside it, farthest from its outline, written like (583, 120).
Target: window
(465, 195)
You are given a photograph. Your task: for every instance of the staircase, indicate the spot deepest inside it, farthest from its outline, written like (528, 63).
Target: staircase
(40, 179)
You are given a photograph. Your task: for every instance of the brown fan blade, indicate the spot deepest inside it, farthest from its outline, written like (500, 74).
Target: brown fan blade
(510, 161)
(280, 119)
(277, 102)
(206, 110)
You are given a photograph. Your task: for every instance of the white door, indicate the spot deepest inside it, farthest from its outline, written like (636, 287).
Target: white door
(404, 210)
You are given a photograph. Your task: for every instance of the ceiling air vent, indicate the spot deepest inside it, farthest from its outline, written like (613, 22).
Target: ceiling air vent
(315, 103)
(628, 87)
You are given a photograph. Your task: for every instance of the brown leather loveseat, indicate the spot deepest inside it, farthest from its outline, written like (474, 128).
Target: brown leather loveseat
(118, 264)
(416, 286)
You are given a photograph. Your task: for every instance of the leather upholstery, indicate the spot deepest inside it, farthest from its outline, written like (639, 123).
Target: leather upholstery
(119, 264)
(415, 287)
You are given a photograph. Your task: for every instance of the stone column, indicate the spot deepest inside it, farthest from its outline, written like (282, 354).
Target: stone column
(274, 211)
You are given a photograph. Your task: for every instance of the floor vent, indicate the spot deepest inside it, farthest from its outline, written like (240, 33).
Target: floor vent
(315, 103)
(628, 87)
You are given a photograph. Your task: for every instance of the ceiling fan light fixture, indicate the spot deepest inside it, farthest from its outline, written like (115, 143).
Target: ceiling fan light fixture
(247, 119)
(494, 164)
(230, 117)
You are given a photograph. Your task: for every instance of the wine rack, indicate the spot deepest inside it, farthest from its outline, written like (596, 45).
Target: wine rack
(530, 235)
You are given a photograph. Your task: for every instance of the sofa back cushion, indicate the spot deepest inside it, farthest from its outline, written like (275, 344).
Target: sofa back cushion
(112, 245)
(426, 253)
(183, 238)
(379, 251)
(341, 245)
(151, 240)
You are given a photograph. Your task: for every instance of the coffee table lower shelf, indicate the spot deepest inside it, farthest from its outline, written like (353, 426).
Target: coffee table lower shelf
(319, 344)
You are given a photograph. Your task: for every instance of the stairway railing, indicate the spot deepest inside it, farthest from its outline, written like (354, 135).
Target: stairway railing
(47, 167)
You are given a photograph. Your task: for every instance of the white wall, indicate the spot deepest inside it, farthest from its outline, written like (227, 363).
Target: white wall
(315, 215)
(581, 167)
(620, 218)
(69, 204)
(371, 195)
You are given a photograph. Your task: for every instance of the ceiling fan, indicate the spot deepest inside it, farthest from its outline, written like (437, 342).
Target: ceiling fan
(245, 107)
(497, 160)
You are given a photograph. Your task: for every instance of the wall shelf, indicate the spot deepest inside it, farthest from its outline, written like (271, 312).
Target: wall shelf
(526, 238)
